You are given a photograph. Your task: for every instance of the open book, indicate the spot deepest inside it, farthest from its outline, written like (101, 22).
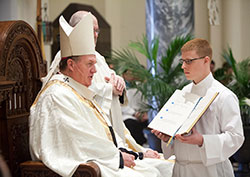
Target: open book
(181, 112)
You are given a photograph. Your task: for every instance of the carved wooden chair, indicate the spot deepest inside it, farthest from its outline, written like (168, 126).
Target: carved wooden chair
(21, 67)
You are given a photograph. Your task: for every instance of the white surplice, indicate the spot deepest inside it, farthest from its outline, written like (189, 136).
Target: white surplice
(67, 129)
(221, 127)
(109, 102)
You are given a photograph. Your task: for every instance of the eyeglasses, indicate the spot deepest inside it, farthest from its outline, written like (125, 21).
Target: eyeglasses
(189, 61)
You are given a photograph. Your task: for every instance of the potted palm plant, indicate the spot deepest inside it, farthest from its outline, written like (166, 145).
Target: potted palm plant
(158, 82)
(238, 80)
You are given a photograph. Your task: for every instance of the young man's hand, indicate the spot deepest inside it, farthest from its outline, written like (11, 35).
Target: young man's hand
(161, 135)
(194, 138)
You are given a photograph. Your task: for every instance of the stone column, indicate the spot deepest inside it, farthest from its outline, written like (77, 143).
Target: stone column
(167, 19)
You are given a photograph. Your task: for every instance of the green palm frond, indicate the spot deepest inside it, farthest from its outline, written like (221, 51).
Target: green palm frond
(228, 56)
(173, 50)
(171, 71)
(124, 60)
(171, 75)
(161, 85)
(241, 74)
(242, 86)
(155, 87)
(141, 47)
(240, 83)
(150, 51)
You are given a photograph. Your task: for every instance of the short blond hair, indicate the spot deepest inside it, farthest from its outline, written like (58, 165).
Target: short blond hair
(201, 46)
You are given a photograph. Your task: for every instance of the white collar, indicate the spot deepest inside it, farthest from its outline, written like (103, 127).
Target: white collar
(202, 86)
(81, 89)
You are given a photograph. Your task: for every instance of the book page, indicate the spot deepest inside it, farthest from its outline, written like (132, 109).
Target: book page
(174, 113)
(196, 114)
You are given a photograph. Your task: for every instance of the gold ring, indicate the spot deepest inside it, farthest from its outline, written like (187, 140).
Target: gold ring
(131, 166)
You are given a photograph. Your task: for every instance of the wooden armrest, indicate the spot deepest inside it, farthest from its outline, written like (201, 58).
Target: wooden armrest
(38, 169)
(89, 167)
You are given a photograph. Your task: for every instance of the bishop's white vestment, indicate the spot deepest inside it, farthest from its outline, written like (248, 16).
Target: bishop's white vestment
(109, 102)
(222, 131)
(68, 128)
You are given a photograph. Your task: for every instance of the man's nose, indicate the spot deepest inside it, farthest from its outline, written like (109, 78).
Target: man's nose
(183, 65)
(93, 70)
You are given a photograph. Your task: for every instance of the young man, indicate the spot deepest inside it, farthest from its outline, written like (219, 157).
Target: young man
(218, 134)
(67, 127)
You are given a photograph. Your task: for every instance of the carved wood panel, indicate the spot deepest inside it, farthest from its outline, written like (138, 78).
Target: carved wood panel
(21, 62)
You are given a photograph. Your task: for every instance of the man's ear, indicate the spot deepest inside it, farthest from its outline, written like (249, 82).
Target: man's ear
(207, 59)
(70, 64)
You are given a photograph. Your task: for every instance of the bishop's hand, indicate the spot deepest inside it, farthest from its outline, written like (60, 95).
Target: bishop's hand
(129, 160)
(117, 82)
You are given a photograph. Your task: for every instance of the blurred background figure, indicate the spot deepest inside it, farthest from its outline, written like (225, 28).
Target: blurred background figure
(212, 66)
(224, 74)
(134, 112)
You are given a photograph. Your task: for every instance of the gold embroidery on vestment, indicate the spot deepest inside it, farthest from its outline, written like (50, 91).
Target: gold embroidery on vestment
(83, 100)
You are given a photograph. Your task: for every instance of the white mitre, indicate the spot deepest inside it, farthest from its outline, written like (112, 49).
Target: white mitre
(78, 40)
(73, 42)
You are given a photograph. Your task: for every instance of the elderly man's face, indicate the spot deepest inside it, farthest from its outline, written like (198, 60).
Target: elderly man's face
(83, 69)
